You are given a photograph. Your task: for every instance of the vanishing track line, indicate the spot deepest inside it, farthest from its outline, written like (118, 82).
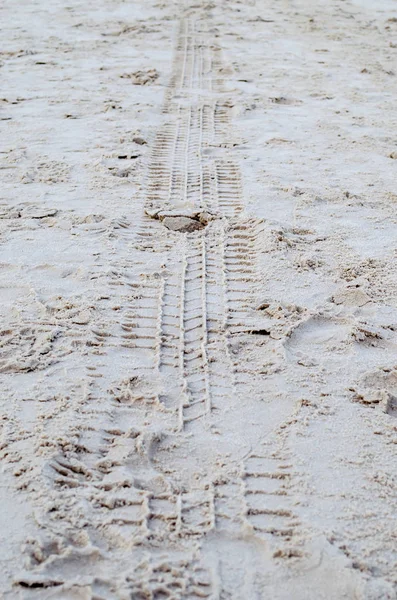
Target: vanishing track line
(179, 318)
(210, 275)
(193, 317)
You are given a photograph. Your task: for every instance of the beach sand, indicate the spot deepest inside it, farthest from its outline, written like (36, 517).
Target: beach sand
(198, 296)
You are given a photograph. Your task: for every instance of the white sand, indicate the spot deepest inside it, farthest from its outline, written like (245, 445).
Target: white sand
(211, 414)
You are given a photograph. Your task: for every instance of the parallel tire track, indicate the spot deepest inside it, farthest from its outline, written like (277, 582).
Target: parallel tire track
(180, 321)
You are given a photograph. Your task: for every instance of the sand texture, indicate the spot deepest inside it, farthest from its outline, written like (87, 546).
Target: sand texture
(198, 297)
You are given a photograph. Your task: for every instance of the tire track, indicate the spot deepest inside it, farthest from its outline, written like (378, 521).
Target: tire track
(180, 320)
(268, 505)
(193, 63)
(194, 301)
(176, 173)
(177, 170)
(229, 188)
(241, 254)
(171, 353)
(193, 346)
(209, 282)
(208, 288)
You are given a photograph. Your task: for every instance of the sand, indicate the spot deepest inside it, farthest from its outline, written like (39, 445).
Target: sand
(198, 295)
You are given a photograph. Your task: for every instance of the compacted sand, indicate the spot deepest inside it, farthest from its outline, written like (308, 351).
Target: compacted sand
(198, 295)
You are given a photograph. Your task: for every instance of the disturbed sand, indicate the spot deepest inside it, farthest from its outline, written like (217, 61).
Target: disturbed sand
(198, 294)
